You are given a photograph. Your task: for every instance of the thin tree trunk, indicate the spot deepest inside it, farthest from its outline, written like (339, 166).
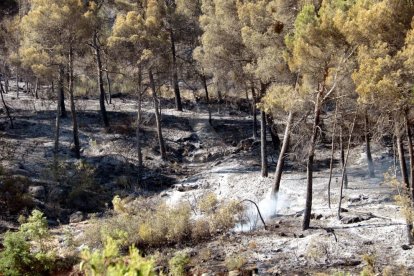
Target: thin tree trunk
(177, 95)
(309, 166)
(332, 155)
(63, 112)
(344, 167)
(404, 176)
(410, 152)
(108, 80)
(5, 105)
(341, 142)
(254, 111)
(273, 133)
(371, 169)
(72, 107)
(57, 122)
(139, 147)
(100, 80)
(204, 79)
(282, 156)
(17, 84)
(157, 117)
(263, 138)
(36, 88)
(6, 85)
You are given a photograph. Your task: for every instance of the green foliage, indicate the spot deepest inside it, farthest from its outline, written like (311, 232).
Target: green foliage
(178, 263)
(109, 261)
(27, 251)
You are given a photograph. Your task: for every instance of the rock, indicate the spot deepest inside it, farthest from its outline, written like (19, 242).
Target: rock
(37, 192)
(182, 188)
(234, 273)
(52, 223)
(57, 194)
(405, 247)
(76, 217)
(191, 138)
(246, 144)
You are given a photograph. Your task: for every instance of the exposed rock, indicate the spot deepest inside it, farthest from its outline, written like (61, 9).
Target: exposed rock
(76, 217)
(356, 219)
(405, 247)
(37, 192)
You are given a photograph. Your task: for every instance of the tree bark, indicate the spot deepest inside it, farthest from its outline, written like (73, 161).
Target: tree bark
(97, 48)
(157, 117)
(5, 105)
(311, 156)
(6, 85)
(108, 80)
(282, 156)
(17, 84)
(254, 111)
(58, 116)
(273, 133)
(204, 79)
(177, 94)
(371, 169)
(410, 152)
(332, 155)
(263, 138)
(404, 177)
(341, 142)
(139, 147)
(72, 106)
(63, 112)
(36, 88)
(344, 167)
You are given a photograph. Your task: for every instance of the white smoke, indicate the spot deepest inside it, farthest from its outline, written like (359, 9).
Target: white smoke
(269, 207)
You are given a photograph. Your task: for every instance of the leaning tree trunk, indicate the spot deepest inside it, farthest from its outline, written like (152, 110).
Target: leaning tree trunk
(404, 176)
(344, 167)
(72, 106)
(5, 105)
(311, 156)
(157, 117)
(342, 153)
(282, 156)
(254, 111)
(410, 152)
(332, 155)
(177, 94)
(371, 169)
(204, 79)
(97, 48)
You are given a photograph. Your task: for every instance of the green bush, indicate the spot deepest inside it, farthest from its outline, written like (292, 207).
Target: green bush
(26, 252)
(109, 261)
(178, 263)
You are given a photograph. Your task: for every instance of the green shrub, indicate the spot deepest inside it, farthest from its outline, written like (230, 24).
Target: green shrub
(178, 264)
(109, 261)
(26, 252)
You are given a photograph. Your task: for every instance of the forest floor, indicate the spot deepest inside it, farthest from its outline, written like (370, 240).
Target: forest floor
(203, 159)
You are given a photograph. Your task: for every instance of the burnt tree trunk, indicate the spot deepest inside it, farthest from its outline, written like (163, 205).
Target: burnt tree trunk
(157, 117)
(58, 116)
(177, 94)
(108, 80)
(332, 155)
(282, 156)
(263, 138)
(410, 152)
(102, 95)
(61, 92)
(254, 111)
(72, 106)
(204, 79)
(342, 153)
(404, 177)
(344, 167)
(371, 169)
(311, 156)
(5, 105)
(36, 88)
(273, 133)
